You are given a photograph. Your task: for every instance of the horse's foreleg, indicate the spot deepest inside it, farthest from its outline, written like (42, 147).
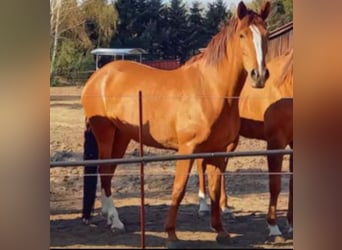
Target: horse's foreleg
(274, 165)
(183, 168)
(215, 169)
(223, 198)
(203, 206)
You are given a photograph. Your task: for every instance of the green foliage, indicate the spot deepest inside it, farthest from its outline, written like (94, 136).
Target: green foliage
(168, 31)
(196, 30)
(216, 15)
(165, 29)
(281, 12)
(76, 28)
(177, 31)
(100, 21)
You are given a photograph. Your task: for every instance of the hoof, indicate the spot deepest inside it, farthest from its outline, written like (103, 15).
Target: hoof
(276, 239)
(174, 244)
(118, 230)
(223, 239)
(289, 234)
(85, 221)
(203, 213)
(226, 210)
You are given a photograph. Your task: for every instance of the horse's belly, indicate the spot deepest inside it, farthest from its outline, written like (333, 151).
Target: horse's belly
(159, 134)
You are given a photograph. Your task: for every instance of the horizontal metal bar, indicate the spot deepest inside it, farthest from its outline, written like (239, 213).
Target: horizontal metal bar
(170, 174)
(146, 159)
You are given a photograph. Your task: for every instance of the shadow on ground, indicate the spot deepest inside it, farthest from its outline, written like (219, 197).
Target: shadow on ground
(248, 230)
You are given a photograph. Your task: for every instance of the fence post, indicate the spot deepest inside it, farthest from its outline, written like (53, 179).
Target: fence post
(142, 207)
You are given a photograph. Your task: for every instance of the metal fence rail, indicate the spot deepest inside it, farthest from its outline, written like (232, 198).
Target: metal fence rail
(147, 159)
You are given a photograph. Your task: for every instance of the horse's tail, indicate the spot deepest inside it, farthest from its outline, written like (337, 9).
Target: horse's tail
(90, 152)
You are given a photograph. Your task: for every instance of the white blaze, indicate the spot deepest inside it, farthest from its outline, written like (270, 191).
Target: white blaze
(257, 44)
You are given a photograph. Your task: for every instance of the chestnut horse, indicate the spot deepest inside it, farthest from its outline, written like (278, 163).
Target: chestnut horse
(179, 112)
(266, 114)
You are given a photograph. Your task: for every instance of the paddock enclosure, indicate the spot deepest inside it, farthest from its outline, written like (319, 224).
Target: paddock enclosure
(248, 229)
(248, 194)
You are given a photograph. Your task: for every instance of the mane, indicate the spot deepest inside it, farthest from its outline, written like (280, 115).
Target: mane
(216, 48)
(288, 67)
(194, 58)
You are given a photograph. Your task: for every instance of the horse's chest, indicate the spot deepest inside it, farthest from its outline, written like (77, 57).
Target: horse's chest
(224, 130)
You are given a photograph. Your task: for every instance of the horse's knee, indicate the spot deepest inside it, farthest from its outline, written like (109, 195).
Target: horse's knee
(178, 194)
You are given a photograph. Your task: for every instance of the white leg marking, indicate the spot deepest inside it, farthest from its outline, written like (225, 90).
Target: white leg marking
(274, 230)
(226, 210)
(203, 202)
(201, 195)
(109, 210)
(258, 45)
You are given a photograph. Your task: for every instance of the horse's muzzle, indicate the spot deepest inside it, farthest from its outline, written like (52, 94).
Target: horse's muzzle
(259, 78)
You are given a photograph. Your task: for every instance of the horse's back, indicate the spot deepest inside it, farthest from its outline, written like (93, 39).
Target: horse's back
(117, 80)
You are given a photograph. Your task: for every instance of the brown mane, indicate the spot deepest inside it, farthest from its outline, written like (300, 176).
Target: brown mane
(287, 70)
(216, 48)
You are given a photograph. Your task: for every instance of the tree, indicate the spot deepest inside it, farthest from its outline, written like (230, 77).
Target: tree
(100, 21)
(152, 36)
(281, 12)
(77, 27)
(65, 19)
(177, 30)
(196, 38)
(216, 15)
(125, 33)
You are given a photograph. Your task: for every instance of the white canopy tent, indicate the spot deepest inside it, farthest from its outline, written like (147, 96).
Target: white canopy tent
(117, 52)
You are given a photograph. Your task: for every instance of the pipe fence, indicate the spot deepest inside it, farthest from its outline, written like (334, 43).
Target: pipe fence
(146, 159)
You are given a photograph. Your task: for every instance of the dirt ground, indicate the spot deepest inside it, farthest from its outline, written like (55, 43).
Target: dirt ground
(248, 195)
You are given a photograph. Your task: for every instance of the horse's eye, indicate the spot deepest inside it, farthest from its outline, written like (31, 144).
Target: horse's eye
(242, 36)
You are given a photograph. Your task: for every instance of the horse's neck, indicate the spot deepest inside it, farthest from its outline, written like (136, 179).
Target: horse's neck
(233, 77)
(286, 87)
(286, 81)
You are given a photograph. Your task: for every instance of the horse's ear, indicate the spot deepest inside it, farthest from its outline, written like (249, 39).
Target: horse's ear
(265, 10)
(241, 10)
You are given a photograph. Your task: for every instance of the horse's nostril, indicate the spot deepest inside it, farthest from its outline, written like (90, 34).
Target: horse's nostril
(267, 74)
(254, 74)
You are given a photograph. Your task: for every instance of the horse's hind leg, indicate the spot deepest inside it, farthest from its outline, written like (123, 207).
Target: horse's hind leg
(290, 205)
(216, 168)
(201, 167)
(274, 165)
(111, 144)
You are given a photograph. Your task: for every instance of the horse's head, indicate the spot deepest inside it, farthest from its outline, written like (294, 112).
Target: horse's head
(252, 35)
